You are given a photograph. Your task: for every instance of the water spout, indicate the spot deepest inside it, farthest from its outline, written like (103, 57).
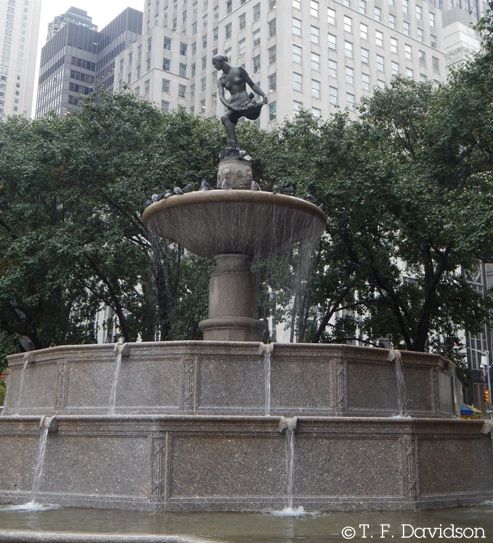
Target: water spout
(27, 360)
(289, 425)
(266, 349)
(121, 350)
(395, 356)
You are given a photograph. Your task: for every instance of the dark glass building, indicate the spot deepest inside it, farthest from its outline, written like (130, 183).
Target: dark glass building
(78, 60)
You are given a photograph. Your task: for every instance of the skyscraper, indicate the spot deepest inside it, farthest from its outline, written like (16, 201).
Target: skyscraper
(19, 28)
(72, 15)
(77, 59)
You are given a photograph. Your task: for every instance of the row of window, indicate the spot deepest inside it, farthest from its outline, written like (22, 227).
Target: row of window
(362, 7)
(297, 30)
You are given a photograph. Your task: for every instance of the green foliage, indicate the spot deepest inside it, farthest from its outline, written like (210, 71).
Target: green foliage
(2, 392)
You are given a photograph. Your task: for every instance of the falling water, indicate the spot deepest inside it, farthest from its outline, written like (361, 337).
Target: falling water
(289, 426)
(40, 459)
(21, 381)
(458, 395)
(395, 356)
(267, 349)
(120, 352)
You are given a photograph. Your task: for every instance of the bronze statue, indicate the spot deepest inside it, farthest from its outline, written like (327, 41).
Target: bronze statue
(240, 103)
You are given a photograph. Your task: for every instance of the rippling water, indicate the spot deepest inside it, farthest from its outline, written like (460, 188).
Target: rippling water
(257, 527)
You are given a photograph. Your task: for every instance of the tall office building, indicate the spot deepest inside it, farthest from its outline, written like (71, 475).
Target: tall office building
(73, 15)
(19, 29)
(77, 60)
(324, 54)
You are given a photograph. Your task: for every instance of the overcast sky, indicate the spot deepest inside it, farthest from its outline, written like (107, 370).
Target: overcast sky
(101, 11)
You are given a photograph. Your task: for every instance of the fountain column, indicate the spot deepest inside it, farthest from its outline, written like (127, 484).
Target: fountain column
(232, 301)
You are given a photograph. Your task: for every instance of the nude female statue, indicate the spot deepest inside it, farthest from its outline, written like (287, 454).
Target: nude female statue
(240, 103)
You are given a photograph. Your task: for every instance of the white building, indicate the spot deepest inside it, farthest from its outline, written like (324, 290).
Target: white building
(19, 28)
(324, 54)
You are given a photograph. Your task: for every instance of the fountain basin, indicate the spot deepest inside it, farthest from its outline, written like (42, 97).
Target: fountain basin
(227, 378)
(258, 224)
(190, 463)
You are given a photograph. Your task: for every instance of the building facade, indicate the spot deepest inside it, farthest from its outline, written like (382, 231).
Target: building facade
(78, 60)
(324, 55)
(19, 30)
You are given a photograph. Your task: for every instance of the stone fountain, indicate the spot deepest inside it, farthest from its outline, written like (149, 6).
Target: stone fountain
(231, 423)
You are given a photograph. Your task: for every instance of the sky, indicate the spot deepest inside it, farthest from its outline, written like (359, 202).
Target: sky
(101, 11)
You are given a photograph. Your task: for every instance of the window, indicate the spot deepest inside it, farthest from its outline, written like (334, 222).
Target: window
(297, 54)
(380, 63)
(348, 24)
(395, 68)
(165, 85)
(229, 6)
(227, 31)
(297, 82)
(408, 52)
(256, 38)
(381, 84)
(256, 12)
(272, 4)
(349, 75)
(182, 89)
(315, 88)
(167, 44)
(363, 31)
(332, 41)
(242, 21)
(333, 69)
(420, 34)
(256, 63)
(241, 46)
(365, 55)
(410, 72)
(348, 49)
(272, 28)
(379, 38)
(422, 58)
(272, 82)
(316, 112)
(164, 106)
(377, 14)
(297, 105)
(331, 16)
(296, 26)
(350, 100)
(405, 6)
(436, 64)
(272, 111)
(183, 49)
(433, 40)
(314, 34)
(333, 98)
(314, 8)
(393, 45)
(365, 82)
(297, 4)
(166, 64)
(362, 6)
(183, 70)
(419, 13)
(391, 20)
(315, 62)
(406, 27)
(272, 54)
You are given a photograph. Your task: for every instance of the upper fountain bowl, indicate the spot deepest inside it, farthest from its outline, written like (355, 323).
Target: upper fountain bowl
(258, 224)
